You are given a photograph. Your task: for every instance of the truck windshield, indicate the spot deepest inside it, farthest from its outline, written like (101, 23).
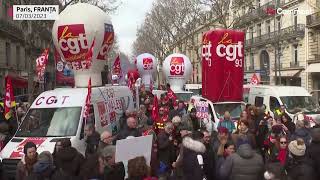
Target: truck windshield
(50, 122)
(235, 109)
(295, 104)
(184, 96)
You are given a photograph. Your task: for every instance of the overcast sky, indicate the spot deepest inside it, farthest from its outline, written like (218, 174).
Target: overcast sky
(127, 19)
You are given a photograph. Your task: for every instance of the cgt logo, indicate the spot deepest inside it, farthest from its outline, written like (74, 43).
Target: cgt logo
(73, 42)
(147, 63)
(177, 66)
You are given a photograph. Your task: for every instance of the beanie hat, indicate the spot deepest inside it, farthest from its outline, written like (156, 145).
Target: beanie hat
(297, 147)
(44, 162)
(27, 146)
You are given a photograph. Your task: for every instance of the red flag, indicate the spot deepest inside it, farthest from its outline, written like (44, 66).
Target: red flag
(172, 95)
(42, 61)
(9, 100)
(89, 55)
(117, 67)
(88, 101)
(270, 11)
(155, 109)
(254, 79)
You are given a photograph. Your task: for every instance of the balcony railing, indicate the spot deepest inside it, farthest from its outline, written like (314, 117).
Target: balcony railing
(11, 29)
(273, 37)
(313, 20)
(266, 10)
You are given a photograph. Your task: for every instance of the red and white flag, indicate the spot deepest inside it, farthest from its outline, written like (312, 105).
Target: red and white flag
(42, 62)
(116, 68)
(88, 102)
(254, 79)
(172, 95)
(9, 101)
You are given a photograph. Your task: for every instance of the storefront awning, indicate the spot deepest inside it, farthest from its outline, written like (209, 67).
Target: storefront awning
(312, 68)
(290, 73)
(19, 82)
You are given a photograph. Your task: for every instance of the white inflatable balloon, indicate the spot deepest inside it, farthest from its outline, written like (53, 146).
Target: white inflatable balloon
(73, 34)
(177, 70)
(146, 65)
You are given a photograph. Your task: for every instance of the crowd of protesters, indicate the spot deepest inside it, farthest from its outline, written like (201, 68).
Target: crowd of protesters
(255, 147)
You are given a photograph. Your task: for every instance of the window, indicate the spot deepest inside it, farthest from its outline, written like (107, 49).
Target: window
(251, 61)
(258, 101)
(273, 104)
(295, 18)
(259, 30)
(8, 53)
(268, 27)
(279, 23)
(295, 54)
(18, 56)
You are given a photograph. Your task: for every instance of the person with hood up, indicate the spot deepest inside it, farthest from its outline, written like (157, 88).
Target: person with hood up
(245, 164)
(298, 166)
(25, 166)
(314, 149)
(69, 161)
(43, 169)
(192, 160)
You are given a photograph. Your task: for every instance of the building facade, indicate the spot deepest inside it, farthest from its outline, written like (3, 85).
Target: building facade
(17, 56)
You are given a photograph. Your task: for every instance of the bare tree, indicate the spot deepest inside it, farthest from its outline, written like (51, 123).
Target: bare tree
(108, 6)
(227, 11)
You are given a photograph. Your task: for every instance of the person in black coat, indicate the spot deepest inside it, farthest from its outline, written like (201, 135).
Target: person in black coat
(287, 121)
(298, 166)
(209, 157)
(92, 138)
(314, 149)
(193, 152)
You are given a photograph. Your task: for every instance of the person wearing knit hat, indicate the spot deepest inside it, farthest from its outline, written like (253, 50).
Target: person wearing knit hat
(298, 165)
(297, 147)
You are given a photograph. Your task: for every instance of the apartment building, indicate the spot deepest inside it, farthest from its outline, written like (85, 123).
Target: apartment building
(17, 57)
(313, 50)
(276, 40)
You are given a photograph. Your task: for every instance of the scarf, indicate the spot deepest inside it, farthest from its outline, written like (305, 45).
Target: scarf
(30, 162)
(282, 156)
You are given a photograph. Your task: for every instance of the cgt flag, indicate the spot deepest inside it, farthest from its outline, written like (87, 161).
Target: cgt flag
(222, 65)
(254, 79)
(116, 69)
(9, 101)
(42, 61)
(88, 101)
(172, 95)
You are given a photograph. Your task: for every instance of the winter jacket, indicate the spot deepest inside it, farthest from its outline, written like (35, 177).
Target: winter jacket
(166, 153)
(248, 136)
(22, 173)
(190, 166)
(300, 168)
(70, 161)
(313, 153)
(303, 133)
(92, 143)
(123, 134)
(245, 164)
(209, 159)
(219, 162)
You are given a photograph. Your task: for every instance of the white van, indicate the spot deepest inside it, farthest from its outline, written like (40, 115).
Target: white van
(217, 110)
(295, 99)
(59, 114)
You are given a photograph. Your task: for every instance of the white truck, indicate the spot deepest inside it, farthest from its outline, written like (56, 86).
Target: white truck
(59, 114)
(295, 99)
